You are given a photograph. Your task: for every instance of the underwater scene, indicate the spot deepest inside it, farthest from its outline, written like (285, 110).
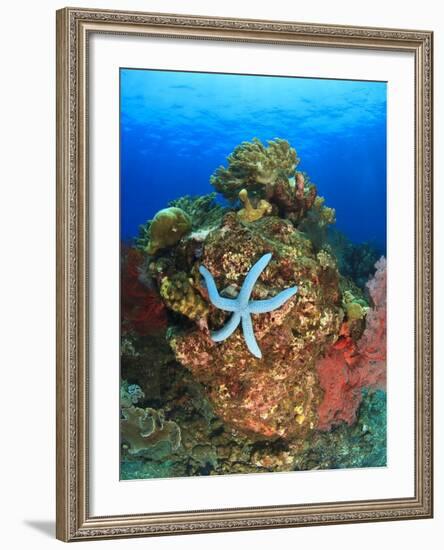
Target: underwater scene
(253, 274)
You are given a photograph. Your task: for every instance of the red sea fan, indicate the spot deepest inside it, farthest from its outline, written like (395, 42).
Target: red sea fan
(141, 307)
(341, 385)
(348, 366)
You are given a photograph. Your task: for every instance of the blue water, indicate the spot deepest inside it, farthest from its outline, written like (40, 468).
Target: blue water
(178, 127)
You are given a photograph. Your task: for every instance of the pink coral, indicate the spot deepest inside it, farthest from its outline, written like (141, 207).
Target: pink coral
(348, 367)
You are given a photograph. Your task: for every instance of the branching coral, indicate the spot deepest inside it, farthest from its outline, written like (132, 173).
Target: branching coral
(252, 165)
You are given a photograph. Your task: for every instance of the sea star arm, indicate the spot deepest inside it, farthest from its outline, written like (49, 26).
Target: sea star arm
(227, 330)
(221, 303)
(251, 278)
(250, 338)
(264, 306)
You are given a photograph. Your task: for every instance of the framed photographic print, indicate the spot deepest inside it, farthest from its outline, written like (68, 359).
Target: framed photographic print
(244, 274)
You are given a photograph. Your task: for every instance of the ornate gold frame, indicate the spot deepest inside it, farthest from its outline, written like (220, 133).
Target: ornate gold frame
(74, 521)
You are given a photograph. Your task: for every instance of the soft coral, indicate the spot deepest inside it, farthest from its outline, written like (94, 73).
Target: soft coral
(348, 366)
(142, 309)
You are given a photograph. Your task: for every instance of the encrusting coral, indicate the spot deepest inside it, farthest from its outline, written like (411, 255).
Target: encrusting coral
(278, 395)
(167, 228)
(242, 307)
(179, 295)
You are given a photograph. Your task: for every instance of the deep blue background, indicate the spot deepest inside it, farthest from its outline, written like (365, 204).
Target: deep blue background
(178, 127)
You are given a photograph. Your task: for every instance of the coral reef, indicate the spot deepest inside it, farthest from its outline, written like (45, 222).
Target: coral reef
(267, 175)
(167, 228)
(215, 381)
(208, 446)
(278, 395)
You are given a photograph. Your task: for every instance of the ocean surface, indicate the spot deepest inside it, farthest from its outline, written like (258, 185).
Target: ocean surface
(178, 127)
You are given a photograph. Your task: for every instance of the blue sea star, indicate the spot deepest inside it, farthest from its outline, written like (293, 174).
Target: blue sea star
(242, 307)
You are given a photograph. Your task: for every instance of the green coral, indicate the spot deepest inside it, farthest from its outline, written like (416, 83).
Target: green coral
(355, 261)
(317, 221)
(253, 165)
(179, 295)
(167, 228)
(130, 394)
(355, 311)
